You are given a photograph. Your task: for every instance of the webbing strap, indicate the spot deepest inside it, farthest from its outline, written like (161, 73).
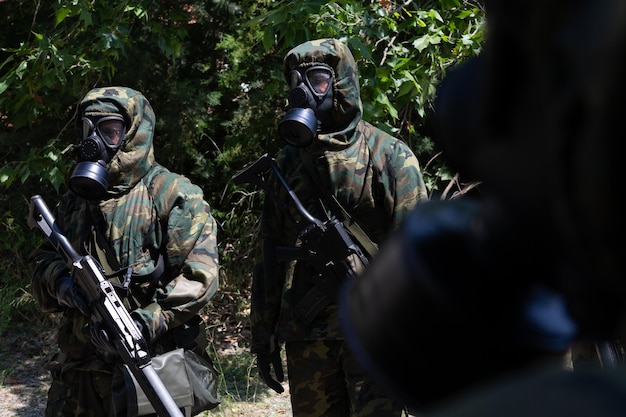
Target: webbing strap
(361, 236)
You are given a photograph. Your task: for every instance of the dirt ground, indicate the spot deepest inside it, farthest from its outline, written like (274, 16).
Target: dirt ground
(25, 349)
(23, 380)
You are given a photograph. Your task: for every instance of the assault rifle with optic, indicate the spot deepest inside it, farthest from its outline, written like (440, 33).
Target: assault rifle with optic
(325, 245)
(107, 310)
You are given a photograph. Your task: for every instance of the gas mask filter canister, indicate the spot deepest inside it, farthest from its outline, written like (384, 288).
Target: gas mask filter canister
(310, 104)
(100, 139)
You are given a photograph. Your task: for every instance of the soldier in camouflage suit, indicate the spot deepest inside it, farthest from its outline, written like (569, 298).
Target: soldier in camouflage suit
(145, 211)
(377, 179)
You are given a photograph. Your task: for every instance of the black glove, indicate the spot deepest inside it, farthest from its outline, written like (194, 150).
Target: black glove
(264, 362)
(141, 326)
(69, 295)
(101, 341)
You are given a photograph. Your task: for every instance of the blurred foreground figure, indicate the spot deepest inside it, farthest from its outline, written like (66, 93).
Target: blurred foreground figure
(468, 309)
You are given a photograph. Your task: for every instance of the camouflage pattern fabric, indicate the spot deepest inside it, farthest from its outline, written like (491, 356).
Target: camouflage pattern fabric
(338, 386)
(79, 392)
(375, 177)
(129, 219)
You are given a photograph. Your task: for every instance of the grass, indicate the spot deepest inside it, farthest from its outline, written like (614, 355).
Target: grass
(242, 391)
(27, 338)
(23, 380)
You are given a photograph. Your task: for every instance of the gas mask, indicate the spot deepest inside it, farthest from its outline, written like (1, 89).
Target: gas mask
(310, 104)
(100, 139)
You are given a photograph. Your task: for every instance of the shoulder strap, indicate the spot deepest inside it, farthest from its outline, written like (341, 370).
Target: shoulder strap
(361, 236)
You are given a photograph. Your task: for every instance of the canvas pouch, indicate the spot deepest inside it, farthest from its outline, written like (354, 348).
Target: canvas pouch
(190, 379)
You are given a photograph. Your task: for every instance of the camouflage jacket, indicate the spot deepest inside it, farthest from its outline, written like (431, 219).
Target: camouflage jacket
(137, 224)
(374, 176)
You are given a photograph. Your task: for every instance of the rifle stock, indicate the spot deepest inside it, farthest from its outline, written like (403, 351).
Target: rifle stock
(106, 308)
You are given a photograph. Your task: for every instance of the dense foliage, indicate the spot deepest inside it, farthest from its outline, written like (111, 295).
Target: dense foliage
(212, 71)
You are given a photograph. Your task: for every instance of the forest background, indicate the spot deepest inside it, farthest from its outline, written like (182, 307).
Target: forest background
(212, 71)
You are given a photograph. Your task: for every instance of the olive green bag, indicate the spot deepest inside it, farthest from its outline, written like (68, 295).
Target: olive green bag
(190, 379)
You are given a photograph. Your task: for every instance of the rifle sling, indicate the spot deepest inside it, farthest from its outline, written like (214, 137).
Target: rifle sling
(107, 259)
(360, 235)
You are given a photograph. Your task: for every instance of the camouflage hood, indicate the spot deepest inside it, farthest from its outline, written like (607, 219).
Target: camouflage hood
(347, 106)
(136, 155)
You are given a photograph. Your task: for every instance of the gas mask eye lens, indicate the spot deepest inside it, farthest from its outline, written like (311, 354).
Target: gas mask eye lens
(294, 79)
(319, 79)
(111, 131)
(87, 128)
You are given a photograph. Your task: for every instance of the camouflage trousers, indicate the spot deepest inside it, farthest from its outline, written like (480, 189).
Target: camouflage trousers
(77, 392)
(325, 380)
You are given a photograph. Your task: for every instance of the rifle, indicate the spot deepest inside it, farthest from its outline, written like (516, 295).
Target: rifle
(107, 309)
(326, 245)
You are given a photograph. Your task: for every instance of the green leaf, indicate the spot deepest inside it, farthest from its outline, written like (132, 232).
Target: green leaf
(383, 99)
(24, 173)
(268, 39)
(61, 14)
(7, 175)
(56, 178)
(421, 43)
(21, 69)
